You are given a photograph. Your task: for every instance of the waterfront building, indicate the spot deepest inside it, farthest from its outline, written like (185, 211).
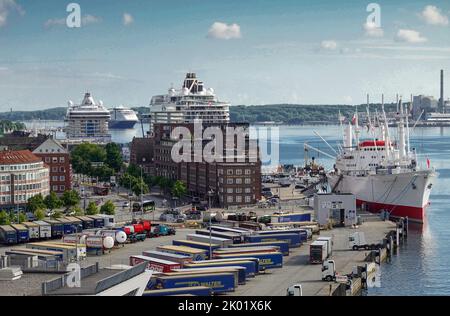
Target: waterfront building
(22, 176)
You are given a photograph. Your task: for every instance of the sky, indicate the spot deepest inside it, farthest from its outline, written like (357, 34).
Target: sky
(251, 52)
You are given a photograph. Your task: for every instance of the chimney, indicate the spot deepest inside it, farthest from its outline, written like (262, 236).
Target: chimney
(441, 100)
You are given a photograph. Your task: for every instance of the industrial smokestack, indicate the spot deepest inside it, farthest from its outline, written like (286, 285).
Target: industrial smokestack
(441, 100)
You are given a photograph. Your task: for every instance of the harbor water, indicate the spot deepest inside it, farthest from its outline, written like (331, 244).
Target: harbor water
(421, 266)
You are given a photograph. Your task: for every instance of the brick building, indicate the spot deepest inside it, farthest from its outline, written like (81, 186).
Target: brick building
(57, 158)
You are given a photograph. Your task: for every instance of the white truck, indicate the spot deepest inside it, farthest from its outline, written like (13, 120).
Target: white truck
(329, 273)
(358, 241)
(329, 241)
(295, 290)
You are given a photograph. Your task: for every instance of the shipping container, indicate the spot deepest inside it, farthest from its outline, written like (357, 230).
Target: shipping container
(194, 290)
(226, 251)
(57, 228)
(218, 282)
(282, 245)
(68, 226)
(195, 253)
(269, 260)
(88, 223)
(291, 217)
(45, 229)
(37, 252)
(33, 230)
(155, 264)
(292, 239)
(76, 222)
(81, 249)
(250, 266)
(182, 259)
(236, 238)
(223, 260)
(302, 232)
(8, 235)
(69, 252)
(241, 231)
(222, 242)
(51, 261)
(239, 272)
(22, 233)
(318, 251)
(196, 244)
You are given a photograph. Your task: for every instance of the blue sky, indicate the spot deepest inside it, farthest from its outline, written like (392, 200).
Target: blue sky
(251, 52)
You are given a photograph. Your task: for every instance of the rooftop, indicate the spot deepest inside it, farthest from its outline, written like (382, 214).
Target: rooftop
(18, 157)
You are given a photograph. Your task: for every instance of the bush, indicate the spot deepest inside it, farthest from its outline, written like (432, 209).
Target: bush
(92, 209)
(39, 214)
(108, 208)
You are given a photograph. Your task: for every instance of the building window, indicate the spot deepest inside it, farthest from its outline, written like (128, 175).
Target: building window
(230, 199)
(62, 188)
(238, 190)
(248, 180)
(230, 172)
(62, 169)
(54, 169)
(248, 190)
(55, 178)
(238, 199)
(61, 159)
(248, 171)
(55, 188)
(62, 178)
(238, 172)
(230, 190)
(238, 181)
(55, 159)
(248, 199)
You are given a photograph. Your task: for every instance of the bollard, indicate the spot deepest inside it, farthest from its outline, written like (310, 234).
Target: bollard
(406, 231)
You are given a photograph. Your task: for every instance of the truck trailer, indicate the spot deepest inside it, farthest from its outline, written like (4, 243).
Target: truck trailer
(282, 245)
(196, 244)
(193, 290)
(23, 235)
(8, 235)
(155, 264)
(45, 230)
(218, 282)
(195, 253)
(181, 259)
(269, 260)
(33, 230)
(293, 239)
(304, 236)
(250, 266)
(236, 238)
(222, 242)
(318, 251)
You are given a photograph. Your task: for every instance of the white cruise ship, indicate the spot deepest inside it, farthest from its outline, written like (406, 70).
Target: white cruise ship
(88, 121)
(192, 103)
(122, 118)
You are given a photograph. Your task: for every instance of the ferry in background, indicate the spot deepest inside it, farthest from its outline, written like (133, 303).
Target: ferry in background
(122, 118)
(383, 175)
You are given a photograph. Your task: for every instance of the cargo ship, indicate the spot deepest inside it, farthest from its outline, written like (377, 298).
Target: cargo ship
(383, 175)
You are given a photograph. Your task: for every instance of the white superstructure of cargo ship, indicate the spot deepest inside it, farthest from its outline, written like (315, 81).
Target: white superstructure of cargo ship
(383, 175)
(88, 121)
(192, 103)
(122, 118)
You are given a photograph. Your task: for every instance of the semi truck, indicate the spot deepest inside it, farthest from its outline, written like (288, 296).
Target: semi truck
(283, 246)
(242, 261)
(22, 233)
(193, 290)
(222, 242)
(236, 238)
(329, 241)
(57, 228)
(196, 244)
(318, 251)
(155, 264)
(45, 230)
(181, 259)
(238, 271)
(293, 239)
(226, 251)
(241, 231)
(267, 260)
(357, 241)
(194, 253)
(304, 235)
(8, 235)
(291, 217)
(250, 266)
(33, 230)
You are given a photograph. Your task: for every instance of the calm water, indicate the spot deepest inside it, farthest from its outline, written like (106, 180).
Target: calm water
(421, 267)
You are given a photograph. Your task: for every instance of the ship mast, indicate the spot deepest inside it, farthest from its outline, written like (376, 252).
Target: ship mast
(401, 133)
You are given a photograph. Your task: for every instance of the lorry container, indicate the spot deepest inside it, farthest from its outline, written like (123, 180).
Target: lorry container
(22, 233)
(87, 222)
(181, 259)
(239, 272)
(250, 266)
(282, 245)
(33, 230)
(267, 260)
(291, 217)
(329, 241)
(45, 229)
(236, 238)
(109, 221)
(195, 253)
(292, 239)
(155, 264)
(99, 221)
(8, 235)
(77, 223)
(49, 260)
(37, 252)
(57, 228)
(318, 251)
(193, 290)
(196, 244)
(218, 282)
(225, 251)
(302, 232)
(80, 249)
(68, 226)
(69, 252)
(222, 242)
(241, 231)
(251, 259)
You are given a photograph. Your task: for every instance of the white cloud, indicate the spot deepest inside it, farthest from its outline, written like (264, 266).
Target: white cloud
(432, 15)
(6, 7)
(127, 19)
(224, 31)
(329, 45)
(372, 30)
(410, 36)
(85, 20)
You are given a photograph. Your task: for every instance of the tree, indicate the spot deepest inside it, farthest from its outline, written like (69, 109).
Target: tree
(139, 186)
(4, 218)
(22, 218)
(70, 198)
(39, 214)
(114, 156)
(84, 155)
(92, 209)
(56, 215)
(179, 189)
(108, 208)
(52, 201)
(35, 203)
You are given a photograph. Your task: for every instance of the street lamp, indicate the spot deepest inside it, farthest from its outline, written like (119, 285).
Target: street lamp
(210, 195)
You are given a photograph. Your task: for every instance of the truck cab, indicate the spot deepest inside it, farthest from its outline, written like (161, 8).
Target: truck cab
(295, 290)
(328, 270)
(357, 241)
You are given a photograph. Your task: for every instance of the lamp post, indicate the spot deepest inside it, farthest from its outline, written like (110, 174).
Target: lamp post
(210, 195)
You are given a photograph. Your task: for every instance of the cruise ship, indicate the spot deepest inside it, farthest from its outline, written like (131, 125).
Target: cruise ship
(122, 118)
(384, 175)
(88, 121)
(193, 102)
